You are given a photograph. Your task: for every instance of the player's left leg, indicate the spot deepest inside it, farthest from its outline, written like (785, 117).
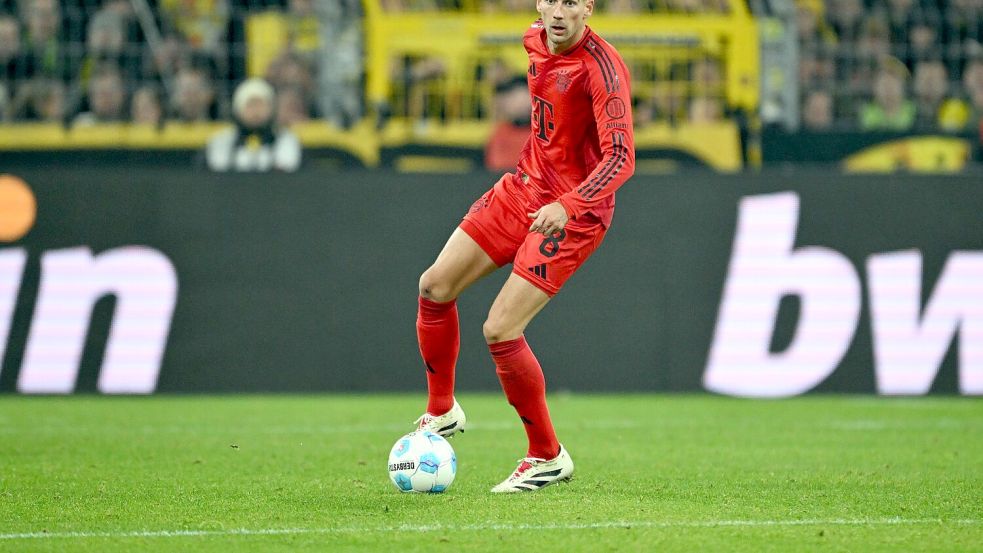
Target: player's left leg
(518, 369)
(522, 380)
(542, 266)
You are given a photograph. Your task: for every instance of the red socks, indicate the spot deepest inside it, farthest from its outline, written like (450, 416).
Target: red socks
(518, 370)
(525, 387)
(439, 335)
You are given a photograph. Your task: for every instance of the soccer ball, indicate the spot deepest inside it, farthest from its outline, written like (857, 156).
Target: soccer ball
(422, 462)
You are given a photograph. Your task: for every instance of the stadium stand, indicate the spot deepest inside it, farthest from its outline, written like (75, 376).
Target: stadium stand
(366, 76)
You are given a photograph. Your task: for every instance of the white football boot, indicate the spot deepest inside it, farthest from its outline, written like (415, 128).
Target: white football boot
(535, 474)
(447, 425)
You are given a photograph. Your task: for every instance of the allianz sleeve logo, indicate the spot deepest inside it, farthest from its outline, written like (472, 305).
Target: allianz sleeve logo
(72, 280)
(910, 340)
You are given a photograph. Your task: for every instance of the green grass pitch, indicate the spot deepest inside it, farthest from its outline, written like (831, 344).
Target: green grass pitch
(654, 473)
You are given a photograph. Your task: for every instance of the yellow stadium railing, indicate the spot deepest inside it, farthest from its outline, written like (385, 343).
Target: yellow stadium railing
(461, 39)
(452, 105)
(661, 49)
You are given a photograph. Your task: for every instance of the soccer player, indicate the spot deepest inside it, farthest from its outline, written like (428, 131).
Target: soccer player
(546, 219)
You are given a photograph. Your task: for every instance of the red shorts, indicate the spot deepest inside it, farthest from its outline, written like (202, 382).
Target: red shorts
(499, 223)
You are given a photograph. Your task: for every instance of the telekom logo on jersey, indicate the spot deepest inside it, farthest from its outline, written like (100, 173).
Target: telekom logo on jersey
(542, 117)
(72, 280)
(909, 339)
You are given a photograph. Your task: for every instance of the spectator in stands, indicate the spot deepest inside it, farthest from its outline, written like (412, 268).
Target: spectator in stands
(817, 110)
(963, 27)
(202, 24)
(105, 42)
(858, 62)
(890, 109)
(817, 66)
(874, 42)
(105, 97)
(41, 100)
(160, 64)
(964, 112)
(145, 108)
(807, 23)
(44, 44)
(339, 73)
(667, 103)
(973, 90)
(705, 109)
(105, 36)
(817, 46)
(291, 107)
(5, 108)
(845, 18)
(413, 72)
(289, 70)
(707, 75)
(923, 39)
(930, 85)
(512, 118)
(416, 73)
(900, 16)
(304, 29)
(13, 64)
(194, 96)
(255, 143)
(706, 102)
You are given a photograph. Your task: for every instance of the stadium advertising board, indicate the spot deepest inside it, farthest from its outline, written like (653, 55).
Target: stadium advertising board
(141, 281)
(70, 282)
(909, 337)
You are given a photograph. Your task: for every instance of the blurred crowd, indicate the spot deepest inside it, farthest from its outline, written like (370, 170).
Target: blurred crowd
(864, 64)
(891, 65)
(519, 6)
(81, 62)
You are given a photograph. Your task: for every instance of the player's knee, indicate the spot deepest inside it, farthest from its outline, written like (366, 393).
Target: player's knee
(435, 288)
(499, 331)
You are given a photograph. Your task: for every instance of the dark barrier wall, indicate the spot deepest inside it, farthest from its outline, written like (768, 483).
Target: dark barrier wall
(309, 282)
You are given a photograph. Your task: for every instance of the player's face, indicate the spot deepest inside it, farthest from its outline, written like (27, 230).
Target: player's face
(564, 20)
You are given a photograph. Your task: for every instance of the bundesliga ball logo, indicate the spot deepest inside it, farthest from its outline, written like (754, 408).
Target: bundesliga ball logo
(422, 462)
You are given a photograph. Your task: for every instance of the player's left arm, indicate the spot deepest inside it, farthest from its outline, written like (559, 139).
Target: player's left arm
(609, 85)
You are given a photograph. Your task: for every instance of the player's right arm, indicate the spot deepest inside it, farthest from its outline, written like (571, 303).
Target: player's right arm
(610, 89)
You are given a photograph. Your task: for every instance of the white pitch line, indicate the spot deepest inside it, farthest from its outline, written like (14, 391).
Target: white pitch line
(326, 429)
(862, 425)
(489, 526)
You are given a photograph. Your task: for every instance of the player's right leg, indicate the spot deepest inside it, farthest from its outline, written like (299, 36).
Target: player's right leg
(460, 264)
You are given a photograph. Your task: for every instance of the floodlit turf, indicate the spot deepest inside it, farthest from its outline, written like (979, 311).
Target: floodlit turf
(654, 473)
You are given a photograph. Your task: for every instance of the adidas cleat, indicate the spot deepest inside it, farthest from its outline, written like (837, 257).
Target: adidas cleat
(535, 474)
(446, 425)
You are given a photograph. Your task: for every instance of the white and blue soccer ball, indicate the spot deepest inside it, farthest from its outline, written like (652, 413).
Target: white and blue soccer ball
(422, 462)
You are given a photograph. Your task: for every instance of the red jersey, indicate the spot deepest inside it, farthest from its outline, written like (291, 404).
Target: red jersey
(582, 146)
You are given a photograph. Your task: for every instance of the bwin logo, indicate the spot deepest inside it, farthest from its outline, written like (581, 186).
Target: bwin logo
(910, 338)
(72, 280)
